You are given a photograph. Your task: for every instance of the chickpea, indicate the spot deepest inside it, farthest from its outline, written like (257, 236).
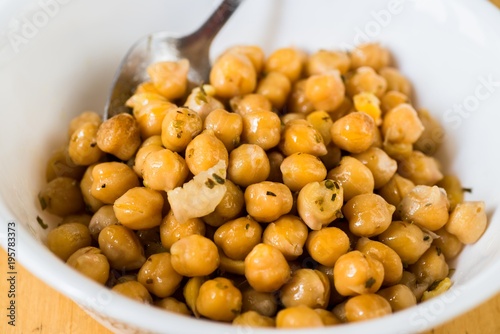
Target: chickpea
(365, 307)
(179, 127)
(219, 299)
(170, 77)
(396, 81)
(85, 117)
(431, 266)
(202, 101)
(83, 149)
(275, 160)
(120, 136)
(439, 288)
(395, 189)
(82, 218)
(300, 169)
(325, 91)
(103, 217)
(248, 164)
(90, 262)
(253, 52)
(191, 291)
(288, 234)
(454, 190)
(111, 180)
(91, 203)
(194, 255)
(406, 239)
(134, 290)
(229, 207)
(322, 122)
(346, 107)
(339, 311)
(306, 287)
(300, 136)
(266, 269)
(276, 87)
(142, 154)
(226, 126)
(60, 164)
(353, 177)
(297, 100)
(122, 247)
(204, 152)
(433, 135)
(448, 243)
(332, 158)
(468, 221)
(397, 151)
(417, 288)
(382, 166)
(173, 305)
(365, 79)
(300, 316)
(393, 266)
(392, 99)
(324, 60)
(368, 214)
(402, 125)
(238, 237)
(164, 170)
(399, 296)
(266, 201)
(61, 197)
(158, 275)
(66, 239)
(327, 245)
(354, 132)
(264, 303)
(230, 266)
(327, 317)
(356, 273)
(139, 208)
(171, 230)
(150, 118)
(249, 102)
(420, 169)
(369, 104)
(370, 54)
(286, 118)
(233, 74)
(261, 127)
(288, 61)
(253, 319)
(144, 96)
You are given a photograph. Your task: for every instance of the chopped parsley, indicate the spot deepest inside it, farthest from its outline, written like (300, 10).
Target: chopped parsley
(41, 223)
(270, 193)
(369, 283)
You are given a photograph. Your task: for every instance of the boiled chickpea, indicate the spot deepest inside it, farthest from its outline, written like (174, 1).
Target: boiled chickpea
(306, 287)
(233, 74)
(61, 197)
(468, 221)
(275, 160)
(402, 125)
(219, 299)
(60, 164)
(134, 290)
(66, 239)
(325, 91)
(322, 122)
(397, 151)
(226, 126)
(139, 208)
(288, 61)
(324, 60)
(300, 316)
(230, 266)
(379, 163)
(300, 136)
(332, 158)
(393, 266)
(288, 234)
(365, 307)
(327, 245)
(194, 255)
(170, 77)
(122, 247)
(202, 101)
(297, 100)
(191, 291)
(286, 118)
(399, 296)
(406, 239)
(82, 218)
(103, 217)
(261, 127)
(173, 305)
(83, 149)
(354, 132)
(253, 319)
(409, 279)
(120, 136)
(395, 80)
(354, 177)
(300, 169)
(253, 52)
(238, 237)
(356, 273)
(85, 117)
(433, 135)
(420, 169)
(142, 154)
(368, 214)
(431, 266)
(392, 99)
(111, 180)
(266, 269)
(249, 102)
(266, 201)
(454, 190)
(370, 54)
(365, 79)
(179, 127)
(158, 275)
(327, 317)
(448, 243)
(395, 189)
(248, 164)
(90, 262)
(276, 87)
(369, 104)
(150, 118)
(91, 203)
(265, 303)
(171, 230)
(164, 170)
(204, 152)
(144, 96)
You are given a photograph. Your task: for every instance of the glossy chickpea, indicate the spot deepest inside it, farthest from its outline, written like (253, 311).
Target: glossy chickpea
(191, 291)
(150, 118)
(448, 243)
(321, 121)
(420, 169)
(171, 230)
(327, 317)
(395, 189)
(379, 163)
(396, 81)
(370, 54)
(286, 118)
(325, 60)
(335, 297)
(202, 101)
(431, 266)
(134, 290)
(332, 157)
(233, 74)
(91, 203)
(354, 177)
(298, 317)
(399, 296)
(194, 255)
(288, 234)
(468, 221)
(356, 273)
(66, 239)
(401, 124)
(266, 201)
(346, 107)
(327, 245)
(253, 52)
(297, 100)
(365, 307)
(368, 214)
(276, 87)
(158, 275)
(393, 266)
(433, 135)
(111, 180)
(81, 218)
(145, 95)
(369, 104)
(266, 269)
(122, 247)
(454, 190)
(90, 262)
(219, 299)
(288, 61)
(261, 127)
(61, 197)
(406, 239)
(248, 164)
(365, 79)
(170, 77)
(204, 152)
(139, 208)
(144, 151)
(229, 207)
(325, 91)
(249, 102)
(87, 116)
(253, 319)
(306, 287)
(300, 169)
(120, 136)
(173, 305)
(354, 132)
(83, 149)
(60, 164)
(392, 99)
(265, 303)
(164, 170)
(409, 279)
(226, 126)
(103, 217)
(275, 160)
(300, 136)
(238, 237)
(230, 266)
(179, 127)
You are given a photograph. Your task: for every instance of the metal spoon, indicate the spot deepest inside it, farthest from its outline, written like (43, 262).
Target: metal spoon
(165, 46)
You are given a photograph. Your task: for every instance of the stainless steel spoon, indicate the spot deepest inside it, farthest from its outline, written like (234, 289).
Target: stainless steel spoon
(165, 46)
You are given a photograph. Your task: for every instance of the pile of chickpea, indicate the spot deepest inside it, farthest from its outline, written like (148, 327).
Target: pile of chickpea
(291, 191)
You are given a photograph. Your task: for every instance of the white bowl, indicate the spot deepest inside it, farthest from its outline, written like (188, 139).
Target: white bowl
(58, 57)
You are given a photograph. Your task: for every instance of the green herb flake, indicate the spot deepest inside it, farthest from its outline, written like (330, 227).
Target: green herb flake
(103, 185)
(218, 179)
(93, 144)
(201, 96)
(247, 226)
(428, 204)
(439, 251)
(42, 201)
(210, 183)
(334, 197)
(434, 285)
(369, 283)
(467, 190)
(335, 183)
(329, 184)
(426, 237)
(41, 223)
(270, 193)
